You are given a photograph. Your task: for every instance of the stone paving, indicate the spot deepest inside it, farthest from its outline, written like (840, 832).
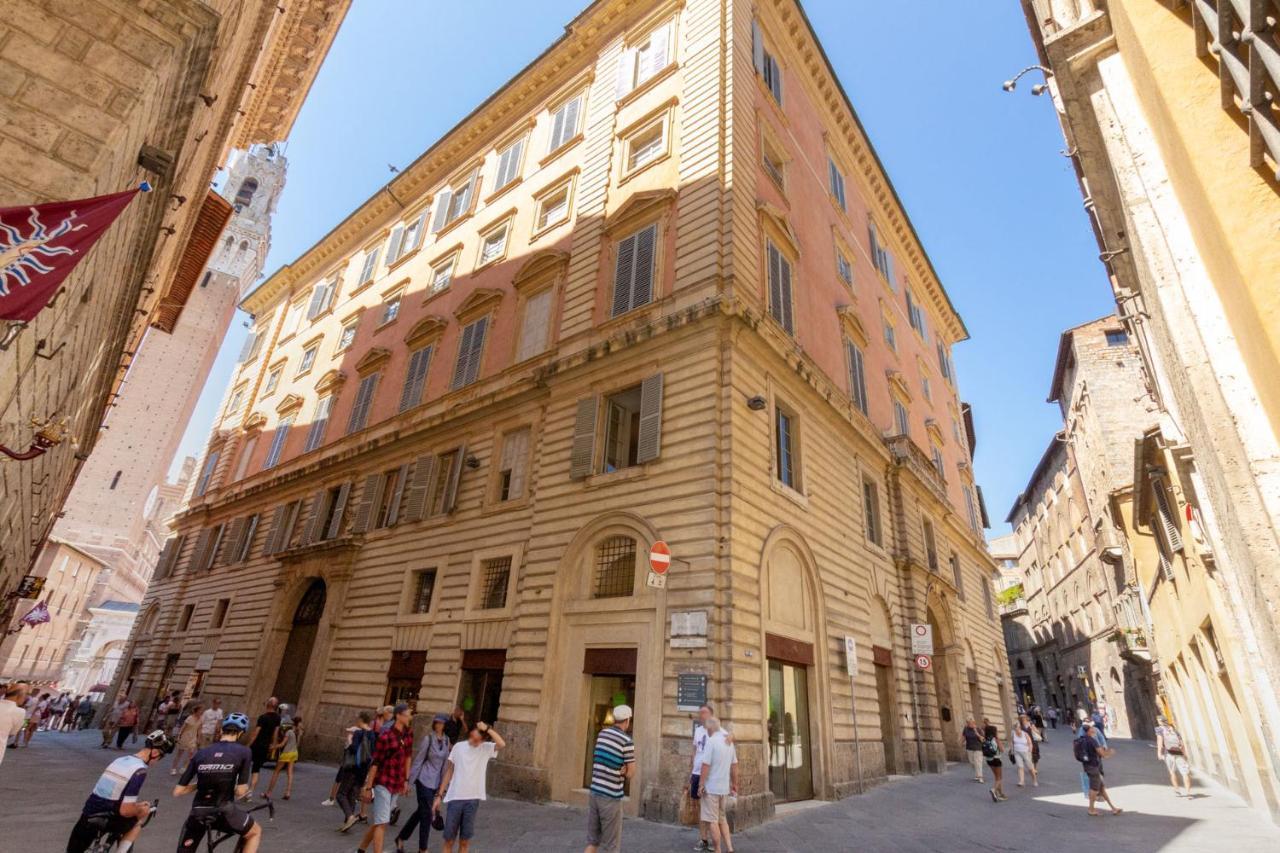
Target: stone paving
(42, 789)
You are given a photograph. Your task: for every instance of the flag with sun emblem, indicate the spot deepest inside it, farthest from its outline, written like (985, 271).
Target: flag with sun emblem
(40, 245)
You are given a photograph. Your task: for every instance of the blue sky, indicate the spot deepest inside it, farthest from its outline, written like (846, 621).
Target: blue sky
(979, 171)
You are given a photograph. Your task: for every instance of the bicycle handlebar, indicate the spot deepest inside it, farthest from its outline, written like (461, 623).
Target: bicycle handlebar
(155, 807)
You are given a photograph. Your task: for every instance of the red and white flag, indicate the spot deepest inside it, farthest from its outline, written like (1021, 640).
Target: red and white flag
(37, 615)
(40, 245)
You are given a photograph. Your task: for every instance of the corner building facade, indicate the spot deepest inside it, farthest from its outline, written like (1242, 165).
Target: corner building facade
(656, 288)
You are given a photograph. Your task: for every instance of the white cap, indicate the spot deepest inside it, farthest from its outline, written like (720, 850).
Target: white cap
(621, 713)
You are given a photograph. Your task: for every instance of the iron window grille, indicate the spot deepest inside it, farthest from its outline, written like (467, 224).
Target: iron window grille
(615, 568)
(494, 582)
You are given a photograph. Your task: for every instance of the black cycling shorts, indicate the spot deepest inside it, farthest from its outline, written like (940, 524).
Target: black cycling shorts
(88, 828)
(225, 818)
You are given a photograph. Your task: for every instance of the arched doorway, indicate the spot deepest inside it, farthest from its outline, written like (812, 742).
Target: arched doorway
(302, 637)
(882, 655)
(943, 684)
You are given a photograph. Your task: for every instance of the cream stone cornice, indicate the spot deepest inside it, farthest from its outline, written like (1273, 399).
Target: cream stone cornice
(822, 80)
(583, 39)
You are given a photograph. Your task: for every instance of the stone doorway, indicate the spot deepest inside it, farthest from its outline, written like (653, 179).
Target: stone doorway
(292, 674)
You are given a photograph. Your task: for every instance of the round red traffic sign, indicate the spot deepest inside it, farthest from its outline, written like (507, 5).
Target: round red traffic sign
(660, 557)
(923, 662)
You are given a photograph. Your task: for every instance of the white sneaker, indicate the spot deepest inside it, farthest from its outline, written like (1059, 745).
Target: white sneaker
(328, 802)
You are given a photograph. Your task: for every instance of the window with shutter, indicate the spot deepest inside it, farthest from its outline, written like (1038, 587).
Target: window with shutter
(901, 421)
(970, 508)
(470, 350)
(766, 64)
(535, 325)
(786, 454)
(871, 511)
(415, 379)
(391, 308)
(444, 492)
(244, 546)
(277, 442)
(317, 303)
(462, 198)
(394, 243)
(292, 320)
(513, 467)
(930, 546)
(844, 268)
(509, 164)
(564, 123)
(415, 501)
(649, 444)
(370, 495)
(647, 58)
(308, 359)
(880, 255)
(273, 381)
(364, 400)
(441, 217)
(622, 428)
(206, 474)
(835, 182)
(391, 492)
(234, 534)
(553, 205)
(250, 346)
(413, 235)
(442, 274)
(370, 266)
(1168, 526)
(857, 377)
(634, 270)
(646, 144)
(493, 244)
(582, 454)
(890, 334)
(317, 518)
(332, 526)
(957, 576)
(780, 297)
(319, 423)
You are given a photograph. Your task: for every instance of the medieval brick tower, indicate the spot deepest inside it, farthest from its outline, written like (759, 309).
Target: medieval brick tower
(119, 505)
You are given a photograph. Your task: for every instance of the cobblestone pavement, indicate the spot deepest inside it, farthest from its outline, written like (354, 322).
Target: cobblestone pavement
(43, 788)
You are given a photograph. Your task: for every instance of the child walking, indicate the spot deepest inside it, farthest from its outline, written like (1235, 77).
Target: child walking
(287, 742)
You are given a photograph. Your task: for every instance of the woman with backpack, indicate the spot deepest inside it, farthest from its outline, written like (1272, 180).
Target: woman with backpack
(991, 751)
(356, 758)
(1172, 749)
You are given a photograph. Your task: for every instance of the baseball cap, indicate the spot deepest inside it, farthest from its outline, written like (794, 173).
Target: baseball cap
(1086, 723)
(440, 718)
(621, 713)
(401, 707)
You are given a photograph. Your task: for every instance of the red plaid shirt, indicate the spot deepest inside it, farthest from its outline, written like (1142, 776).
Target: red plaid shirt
(392, 754)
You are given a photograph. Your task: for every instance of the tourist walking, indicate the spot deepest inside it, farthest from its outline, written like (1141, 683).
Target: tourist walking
(1090, 755)
(12, 718)
(457, 728)
(695, 775)
(462, 787)
(188, 741)
(287, 738)
(68, 721)
(1171, 747)
(1022, 754)
(261, 738)
(127, 722)
(991, 752)
(972, 737)
(385, 779)
(425, 774)
(210, 723)
(1053, 717)
(84, 714)
(719, 784)
(613, 762)
(357, 755)
(36, 713)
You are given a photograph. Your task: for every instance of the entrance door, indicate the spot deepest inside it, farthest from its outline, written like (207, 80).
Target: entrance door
(889, 737)
(297, 651)
(606, 693)
(790, 767)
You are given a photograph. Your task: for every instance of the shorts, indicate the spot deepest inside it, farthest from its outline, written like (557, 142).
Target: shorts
(288, 757)
(712, 810)
(1022, 759)
(88, 828)
(693, 786)
(1176, 763)
(1095, 778)
(224, 818)
(995, 762)
(383, 802)
(604, 823)
(259, 758)
(460, 819)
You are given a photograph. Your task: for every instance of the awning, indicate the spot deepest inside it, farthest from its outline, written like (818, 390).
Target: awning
(215, 212)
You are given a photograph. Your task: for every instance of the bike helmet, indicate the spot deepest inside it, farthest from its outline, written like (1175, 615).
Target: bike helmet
(161, 741)
(236, 722)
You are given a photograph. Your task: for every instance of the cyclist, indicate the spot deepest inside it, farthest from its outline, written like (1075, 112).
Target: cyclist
(113, 806)
(219, 774)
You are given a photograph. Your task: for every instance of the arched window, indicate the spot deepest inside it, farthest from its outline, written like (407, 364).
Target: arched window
(115, 481)
(244, 244)
(614, 570)
(244, 195)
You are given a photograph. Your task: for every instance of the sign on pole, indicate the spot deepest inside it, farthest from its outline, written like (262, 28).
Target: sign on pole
(850, 656)
(921, 639)
(923, 662)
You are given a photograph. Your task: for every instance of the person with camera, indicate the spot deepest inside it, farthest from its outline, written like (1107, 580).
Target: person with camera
(113, 806)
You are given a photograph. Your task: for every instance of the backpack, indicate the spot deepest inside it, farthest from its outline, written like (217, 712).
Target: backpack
(989, 748)
(1172, 741)
(360, 752)
(1078, 749)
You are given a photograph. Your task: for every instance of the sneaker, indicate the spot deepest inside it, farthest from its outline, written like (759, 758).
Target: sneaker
(702, 845)
(994, 798)
(348, 823)
(328, 802)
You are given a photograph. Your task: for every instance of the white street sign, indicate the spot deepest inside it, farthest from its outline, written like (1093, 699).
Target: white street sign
(850, 656)
(921, 638)
(656, 580)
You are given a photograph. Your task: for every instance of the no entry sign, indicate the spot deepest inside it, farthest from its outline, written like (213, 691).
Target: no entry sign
(660, 557)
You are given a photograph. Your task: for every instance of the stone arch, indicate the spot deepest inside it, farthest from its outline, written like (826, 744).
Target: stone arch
(946, 669)
(574, 580)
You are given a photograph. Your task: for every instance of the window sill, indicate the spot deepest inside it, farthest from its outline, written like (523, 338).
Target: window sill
(493, 507)
(286, 339)
(434, 294)
(640, 170)
(555, 153)
(548, 228)
(384, 325)
(416, 618)
(306, 372)
(400, 260)
(452, 224)
(622, 475)
(503, 190)
(800, 499)
(491, 262)
(362, 287)
(647, 85)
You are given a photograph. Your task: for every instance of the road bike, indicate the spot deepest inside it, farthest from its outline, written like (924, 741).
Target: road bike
(107, 839)
(214, 837)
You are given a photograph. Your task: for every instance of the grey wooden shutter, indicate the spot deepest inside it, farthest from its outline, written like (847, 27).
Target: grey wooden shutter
(557, 129)
(582, 456)
(277, 530)
(477, 349)
(464, 351)
(364, 399)
(393, 245)
(536, 326)
(509, 164)
(415, 378)
(415, 234)
(316, 305)
(339, 507)
(757, 47)
(857, 377)
(455, 476)
(416, 497)
(203, 542)
(393, 509)
(369, 496)
(623, 274)
(642, 284)
(775, 281)
(659, 49)
(248, 346)
(312, 531)
(775, 81)
(1170, 527)
(626, 73)
(246, 545)
(168, 555)
(650, 442)
(236, 538)
(443, 202)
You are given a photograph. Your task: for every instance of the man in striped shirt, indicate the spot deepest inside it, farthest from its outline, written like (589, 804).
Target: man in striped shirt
(614, 762)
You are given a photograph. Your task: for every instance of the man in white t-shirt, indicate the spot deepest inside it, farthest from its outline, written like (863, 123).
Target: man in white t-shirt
(210, 723)
(719, 782)
(699, 752)
(462, 787)
(12, 718)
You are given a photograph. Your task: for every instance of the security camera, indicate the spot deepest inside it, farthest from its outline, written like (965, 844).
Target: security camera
(1009, 85)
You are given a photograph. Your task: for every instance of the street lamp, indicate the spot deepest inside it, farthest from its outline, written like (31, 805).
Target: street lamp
(1037, 89)
(48, 433)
